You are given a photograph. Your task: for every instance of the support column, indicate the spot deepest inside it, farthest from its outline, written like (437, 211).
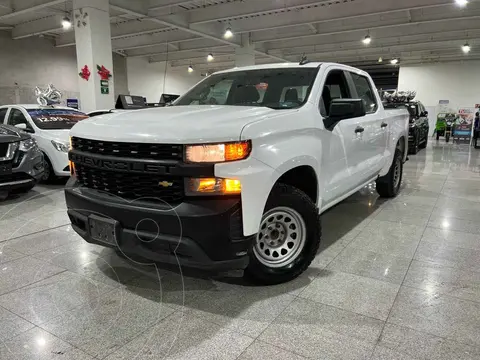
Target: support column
(91, 19)
(245, 55)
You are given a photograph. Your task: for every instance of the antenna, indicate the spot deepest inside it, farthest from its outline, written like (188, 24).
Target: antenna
(304, 60)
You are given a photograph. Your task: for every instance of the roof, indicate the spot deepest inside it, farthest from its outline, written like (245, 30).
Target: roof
(272, 66)
(36, 106)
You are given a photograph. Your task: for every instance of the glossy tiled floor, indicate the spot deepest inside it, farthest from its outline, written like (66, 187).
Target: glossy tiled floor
(395, 280)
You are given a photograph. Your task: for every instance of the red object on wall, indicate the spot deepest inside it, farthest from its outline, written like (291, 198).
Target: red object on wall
(104, 72)
(85, 73)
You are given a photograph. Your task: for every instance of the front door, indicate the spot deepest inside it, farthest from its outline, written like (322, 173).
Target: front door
(343, 150)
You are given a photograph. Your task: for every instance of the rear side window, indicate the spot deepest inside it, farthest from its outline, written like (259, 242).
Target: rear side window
(365, 92)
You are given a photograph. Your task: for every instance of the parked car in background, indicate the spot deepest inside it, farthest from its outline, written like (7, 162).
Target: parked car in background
(236, 172)
(50, 127)
(21, 161)
(418, 124)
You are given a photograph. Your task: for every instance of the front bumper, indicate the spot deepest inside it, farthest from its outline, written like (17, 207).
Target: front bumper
(26, 174)
(198, 233)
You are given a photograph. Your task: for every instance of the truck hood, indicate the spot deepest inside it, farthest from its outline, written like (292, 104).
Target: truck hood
(174, 124)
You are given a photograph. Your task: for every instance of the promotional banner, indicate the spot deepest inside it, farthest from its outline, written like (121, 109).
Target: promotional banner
(464, 124)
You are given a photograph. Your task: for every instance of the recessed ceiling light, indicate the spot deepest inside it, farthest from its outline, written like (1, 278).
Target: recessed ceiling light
(228, 33)
(190, 68)
(66, 23)
(380, 59)
(466, 48)
(461, 3)
(394, 61)
(210, 57)
(367, 40)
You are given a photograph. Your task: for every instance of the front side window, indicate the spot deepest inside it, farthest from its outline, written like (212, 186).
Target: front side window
(16, 118)
(365, 92)
(336, 87)
(274, 88)
(55, 119)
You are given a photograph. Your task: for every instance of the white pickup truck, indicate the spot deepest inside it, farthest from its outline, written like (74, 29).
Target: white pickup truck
(236, 172)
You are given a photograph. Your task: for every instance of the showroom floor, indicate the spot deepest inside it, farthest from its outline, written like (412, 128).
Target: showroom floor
(395, 279)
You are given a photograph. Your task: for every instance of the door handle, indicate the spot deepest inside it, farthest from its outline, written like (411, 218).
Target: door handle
(359, 129)
(384, 125)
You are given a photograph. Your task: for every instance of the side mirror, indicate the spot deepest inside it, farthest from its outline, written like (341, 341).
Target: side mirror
(341, 109)
(21, 126)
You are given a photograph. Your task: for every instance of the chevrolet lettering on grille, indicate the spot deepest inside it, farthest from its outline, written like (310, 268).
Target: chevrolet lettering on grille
(119, 165)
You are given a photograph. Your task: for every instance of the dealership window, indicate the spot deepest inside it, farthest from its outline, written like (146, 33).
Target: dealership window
(365, 92)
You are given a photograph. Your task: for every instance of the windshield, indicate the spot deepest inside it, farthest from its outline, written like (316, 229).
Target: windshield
(273, 88)
(56, 119)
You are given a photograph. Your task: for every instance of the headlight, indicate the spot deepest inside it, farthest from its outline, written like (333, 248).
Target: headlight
(212, 186)
(59, 146)
(27, 145)
(212, 153)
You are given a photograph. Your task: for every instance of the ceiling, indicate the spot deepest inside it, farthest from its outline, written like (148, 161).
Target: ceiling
(183, 32)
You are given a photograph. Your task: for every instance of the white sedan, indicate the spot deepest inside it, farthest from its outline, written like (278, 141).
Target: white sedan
(50, 127)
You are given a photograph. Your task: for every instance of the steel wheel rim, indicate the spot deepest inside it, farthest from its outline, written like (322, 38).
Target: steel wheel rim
(281, 237)
(396, 174)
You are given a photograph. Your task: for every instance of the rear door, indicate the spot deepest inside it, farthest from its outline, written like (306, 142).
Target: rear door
(375, 135)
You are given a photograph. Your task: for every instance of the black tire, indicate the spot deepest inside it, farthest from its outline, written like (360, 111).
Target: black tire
(424, 144)
(388, 186)
(447, 138)
(48, 174)
(415, 146)
(438, 135)
(286, 196)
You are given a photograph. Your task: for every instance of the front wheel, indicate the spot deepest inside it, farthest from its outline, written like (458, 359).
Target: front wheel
(447, 137)
(48, 173)
(288, 238)
(388, 186)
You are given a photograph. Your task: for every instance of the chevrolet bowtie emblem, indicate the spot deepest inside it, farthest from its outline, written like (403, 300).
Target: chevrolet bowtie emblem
(165, 184)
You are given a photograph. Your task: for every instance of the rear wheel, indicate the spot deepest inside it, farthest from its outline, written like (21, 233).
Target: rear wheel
(415, 146)
(48, 173)
(425, 142)
(438, 135)
(389, 185)
(288, 238)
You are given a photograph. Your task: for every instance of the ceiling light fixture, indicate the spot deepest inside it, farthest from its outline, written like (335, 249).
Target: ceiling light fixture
(461, 3)
(66, 23)
(466, 48)
(210, 57)
(190, 68)
(380, 59)
(228, 33)
(367, 40)
(394, 61)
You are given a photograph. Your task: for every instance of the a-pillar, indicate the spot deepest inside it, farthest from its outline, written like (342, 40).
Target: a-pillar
(91, 19)
(245, 55)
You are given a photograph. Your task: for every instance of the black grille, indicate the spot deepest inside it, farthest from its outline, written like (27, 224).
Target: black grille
(129, 150)
(3, 149)
(131, 185)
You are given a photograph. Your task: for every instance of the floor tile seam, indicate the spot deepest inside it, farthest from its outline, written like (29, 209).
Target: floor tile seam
(275, 346)
(401, 284)
(21, 257)
(21, 317)
(24, 286)
(34, 233)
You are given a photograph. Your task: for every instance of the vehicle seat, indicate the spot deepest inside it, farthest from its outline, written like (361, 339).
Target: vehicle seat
(292, 96)
(246, 94)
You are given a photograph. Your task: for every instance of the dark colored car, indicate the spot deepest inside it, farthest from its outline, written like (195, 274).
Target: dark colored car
(419, 127)
(21, 161)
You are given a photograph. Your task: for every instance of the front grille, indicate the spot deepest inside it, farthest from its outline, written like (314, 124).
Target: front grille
(132, 186)
(3, 149)
(129, 150)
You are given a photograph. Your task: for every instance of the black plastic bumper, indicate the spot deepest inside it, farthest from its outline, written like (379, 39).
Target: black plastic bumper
(16, 181)
(198, 233)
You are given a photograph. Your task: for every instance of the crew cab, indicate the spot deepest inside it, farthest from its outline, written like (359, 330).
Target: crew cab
(235, 174)
(21, 161)
(50, 127)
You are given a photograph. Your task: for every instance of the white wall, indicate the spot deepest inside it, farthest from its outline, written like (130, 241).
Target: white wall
(147, 79)
(455, 81)
(35, 61)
